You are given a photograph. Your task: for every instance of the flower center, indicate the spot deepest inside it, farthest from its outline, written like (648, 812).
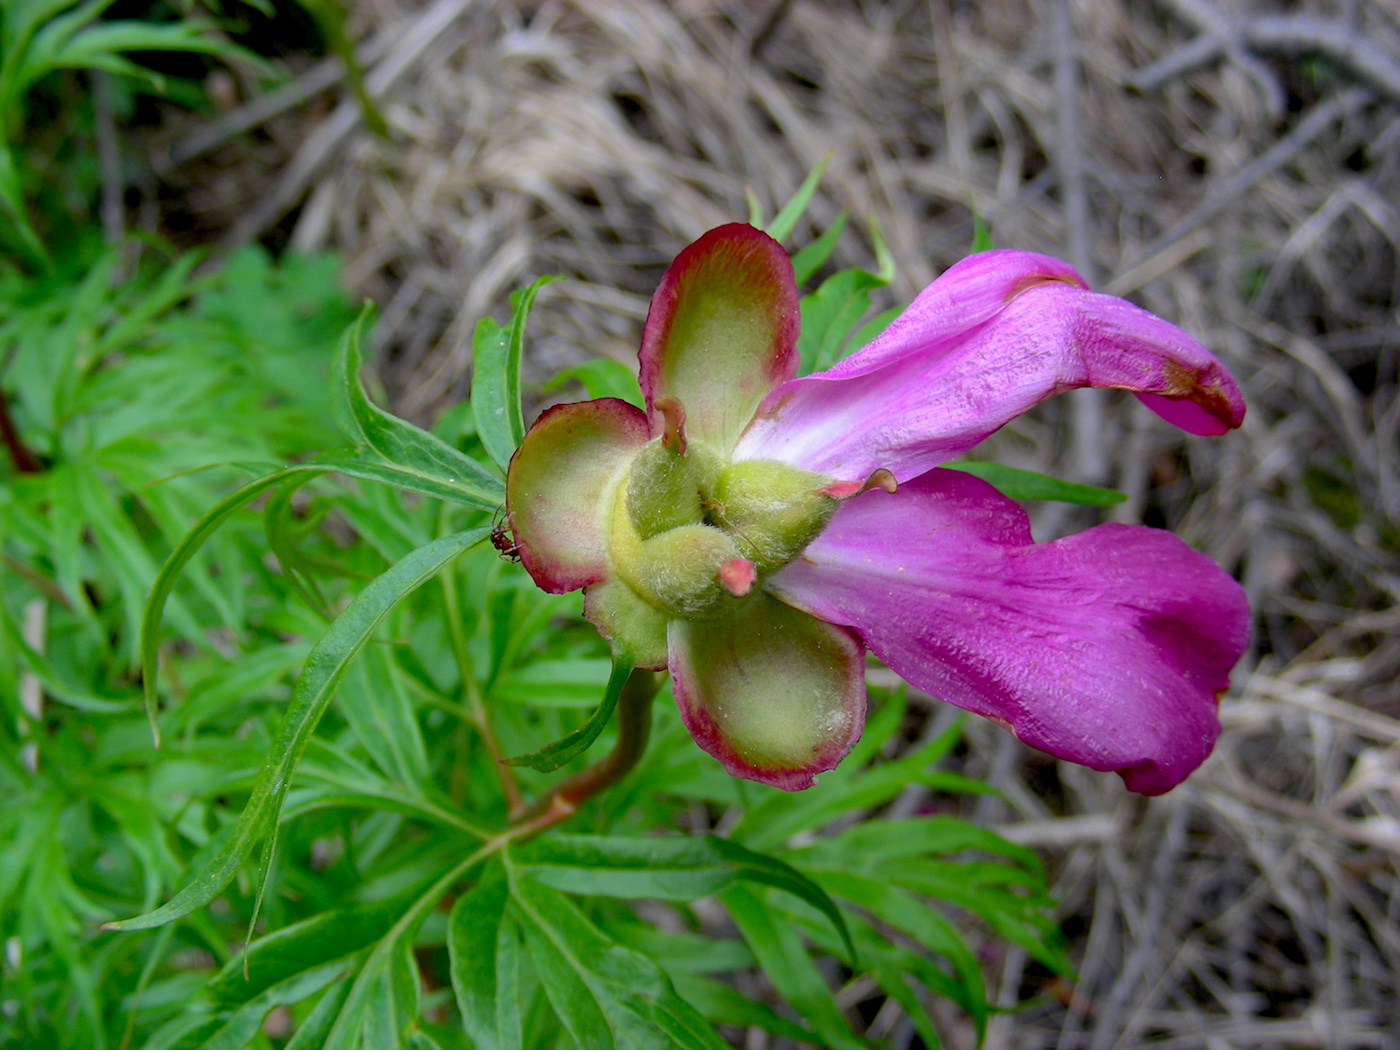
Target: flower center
(693, 535)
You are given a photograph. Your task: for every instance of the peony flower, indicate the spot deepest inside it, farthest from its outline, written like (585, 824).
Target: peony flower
(756, 533)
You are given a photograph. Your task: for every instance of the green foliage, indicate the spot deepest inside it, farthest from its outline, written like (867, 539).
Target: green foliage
(1027, 484)
(120, 395)
(347, 705)
(496, 377)
(42, 37)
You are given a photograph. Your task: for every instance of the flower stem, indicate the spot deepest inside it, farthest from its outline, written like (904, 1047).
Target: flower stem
(633, 731)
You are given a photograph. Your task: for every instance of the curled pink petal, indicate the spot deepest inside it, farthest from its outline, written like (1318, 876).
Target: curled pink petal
(1108, 648)
(995, 335)
(559, 489)
(721, 332)
(774, 694)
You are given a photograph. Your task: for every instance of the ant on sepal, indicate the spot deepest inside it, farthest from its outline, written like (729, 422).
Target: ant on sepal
(502, 539)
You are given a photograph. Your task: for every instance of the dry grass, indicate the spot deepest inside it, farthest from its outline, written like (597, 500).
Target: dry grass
(1232, 166)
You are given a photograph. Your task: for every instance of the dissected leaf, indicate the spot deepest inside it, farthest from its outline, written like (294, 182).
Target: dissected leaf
(830, 314)
(401, 444)
(811, 258)
(788, 966)
(325, 666)
(607, 995)
(680, 869)
(485, 948)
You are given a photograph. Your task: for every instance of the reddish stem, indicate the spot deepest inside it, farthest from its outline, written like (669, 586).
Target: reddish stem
(633, 731)
(25, 462)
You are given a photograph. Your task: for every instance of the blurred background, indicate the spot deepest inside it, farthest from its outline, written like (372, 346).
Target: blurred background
(1231, 165)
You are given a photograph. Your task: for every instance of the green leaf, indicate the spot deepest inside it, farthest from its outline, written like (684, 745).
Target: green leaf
(175, 564)
(206, 526)
(786, 220)
(1027, 484)
(828, 316)
(393, 1000)
(869, 847)
(607, 995)
(487, 496)
(245, 1023)
(755, 207)
(719, 1003)
(336, 933)
(678, 869)
(787, 965)
(396, 440)
(602, 377)
(872, 329)
(325, 667)
(484, 944)
(387, 985)
(1016, 916)
(376, 705)
(312, 1032)
(570, 682)
(781, 815)
(811, 258)
(560, 753)
(495, 393)
(981, 236)
(904, 912)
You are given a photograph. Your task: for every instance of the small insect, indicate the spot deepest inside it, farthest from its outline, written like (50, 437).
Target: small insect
(502, 540)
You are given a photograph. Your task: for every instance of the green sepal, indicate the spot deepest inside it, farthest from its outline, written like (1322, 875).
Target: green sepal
(628, 622)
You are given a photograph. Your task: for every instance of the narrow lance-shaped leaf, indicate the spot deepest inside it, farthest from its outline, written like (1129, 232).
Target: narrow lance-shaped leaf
(495, 392)
(1027, 484)
(589, 977)
(560, 753)
(784, 222)
(787, 965)
(811, 258)
(384, 975)
(396, 440)
(485, 950)
(325, 666)
(206, 526)
(681, 869)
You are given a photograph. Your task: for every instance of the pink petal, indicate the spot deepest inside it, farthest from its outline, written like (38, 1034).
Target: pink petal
(773, 694)
(721, 333)
(560, 485)
(995, 335)
(1108, 648)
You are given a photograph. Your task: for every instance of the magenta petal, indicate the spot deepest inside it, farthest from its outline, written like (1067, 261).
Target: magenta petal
(1108, 648)
(721, 332)
(560, 485)
(774, 694)
(995, 335)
